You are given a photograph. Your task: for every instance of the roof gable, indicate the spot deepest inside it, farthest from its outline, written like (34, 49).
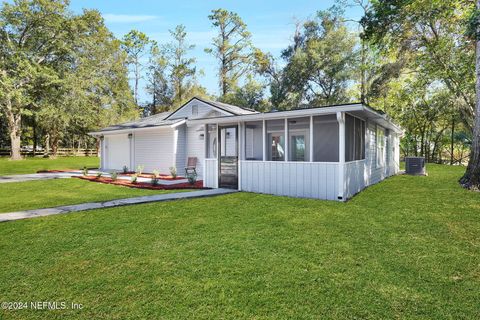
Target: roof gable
(198, 108)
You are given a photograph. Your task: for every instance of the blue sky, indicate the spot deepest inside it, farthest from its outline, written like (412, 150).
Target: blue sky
(271, 23)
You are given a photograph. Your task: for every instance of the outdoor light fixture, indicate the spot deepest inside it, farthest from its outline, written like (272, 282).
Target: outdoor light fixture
(130, 135)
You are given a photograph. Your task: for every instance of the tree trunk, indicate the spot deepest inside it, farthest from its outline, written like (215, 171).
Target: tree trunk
(471, 178)
(15, 130)
(47, 146)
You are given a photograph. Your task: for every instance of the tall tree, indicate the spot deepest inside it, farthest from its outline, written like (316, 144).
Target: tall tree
(471, 178)
(136, 44)
(158, 84)
(321, 62)
(433, 35)
(232, 47)
(182, 67)
(35, 36)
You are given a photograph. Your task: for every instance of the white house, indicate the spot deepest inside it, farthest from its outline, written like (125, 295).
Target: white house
(329, 152)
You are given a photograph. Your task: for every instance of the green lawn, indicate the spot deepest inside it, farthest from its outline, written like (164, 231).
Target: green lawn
(408, 247)
(16, 196)
(32, 165)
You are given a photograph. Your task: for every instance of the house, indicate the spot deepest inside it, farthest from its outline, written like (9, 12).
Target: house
(329, 152)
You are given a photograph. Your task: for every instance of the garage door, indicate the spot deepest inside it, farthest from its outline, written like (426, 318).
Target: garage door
(154, 150)
(117, 151)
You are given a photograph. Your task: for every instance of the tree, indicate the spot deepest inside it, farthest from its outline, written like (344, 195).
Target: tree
(158, 83)
(182, 68)
(136, 44)
(321, 61)
(35, 35)
(471, 178)
(435, 39)
(232, 47)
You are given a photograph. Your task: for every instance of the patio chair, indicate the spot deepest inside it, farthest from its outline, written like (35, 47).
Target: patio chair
(191, 166)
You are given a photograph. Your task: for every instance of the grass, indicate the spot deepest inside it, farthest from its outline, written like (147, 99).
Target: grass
(16, 196)
(408, 247)
(32, 165)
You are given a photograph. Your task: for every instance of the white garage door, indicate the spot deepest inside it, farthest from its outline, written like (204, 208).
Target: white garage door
(154, 150)
(117, 151)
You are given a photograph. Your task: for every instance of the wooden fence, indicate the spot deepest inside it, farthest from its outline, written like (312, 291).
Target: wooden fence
(61, 152)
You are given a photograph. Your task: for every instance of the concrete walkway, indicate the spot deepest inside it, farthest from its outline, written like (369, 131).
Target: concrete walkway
(10, 216)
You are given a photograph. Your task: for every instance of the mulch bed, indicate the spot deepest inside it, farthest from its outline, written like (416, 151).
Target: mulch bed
(57, 171)
(150, 176)
(144, 185)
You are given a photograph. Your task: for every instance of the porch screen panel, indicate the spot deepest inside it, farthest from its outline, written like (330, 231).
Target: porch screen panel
(275, 140)
(211, 141)
(354, 138)
(254, 140)
(299, 139)
(325, 138)
(349, 138)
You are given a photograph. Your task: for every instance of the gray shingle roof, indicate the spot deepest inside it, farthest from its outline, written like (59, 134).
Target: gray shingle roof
(153, 121)
(229, 107)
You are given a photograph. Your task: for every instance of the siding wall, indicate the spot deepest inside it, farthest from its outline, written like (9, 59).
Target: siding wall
(196, 147)
(203, 111)
(180, 149)
(295, 179)
(154, 150)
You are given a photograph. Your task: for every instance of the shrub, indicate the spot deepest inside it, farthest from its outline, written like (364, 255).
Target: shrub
(173, 172)
(125, 169)
(140, 170)
(192, 178)
(114, 175)
(85, 171)
(99, 174)
(155, 177)
(134, 178)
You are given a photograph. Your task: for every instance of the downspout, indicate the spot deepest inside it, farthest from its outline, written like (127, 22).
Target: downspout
(341, 156)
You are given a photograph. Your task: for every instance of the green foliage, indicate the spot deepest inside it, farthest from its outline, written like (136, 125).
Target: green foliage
(173, 172)
(85, 171)
(192, 178)
(114, 175)
(125, 169)
(99, 175)
(140, 169)
(134, 178)
(232, 47)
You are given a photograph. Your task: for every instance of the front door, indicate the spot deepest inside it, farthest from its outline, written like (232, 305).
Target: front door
(228, 154)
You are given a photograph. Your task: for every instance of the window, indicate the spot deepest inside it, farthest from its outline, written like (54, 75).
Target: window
(277, 149)
(325, 138)
(254, 140)
(297, 148)
(276, 140)
(211, 141)
(299, 139)
(354, 138)
(380, 141)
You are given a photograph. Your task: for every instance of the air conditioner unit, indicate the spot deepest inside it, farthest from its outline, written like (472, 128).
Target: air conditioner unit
(415, 166)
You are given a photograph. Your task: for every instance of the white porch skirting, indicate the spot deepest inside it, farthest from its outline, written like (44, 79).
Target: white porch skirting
(354, 177)
(317, 180)
(210, 175)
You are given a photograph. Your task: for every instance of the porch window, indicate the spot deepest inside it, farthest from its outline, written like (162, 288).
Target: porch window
(354, 138)
(325, 138)
(275, 140)
(299, 139)
(254, 140)
(277, 151)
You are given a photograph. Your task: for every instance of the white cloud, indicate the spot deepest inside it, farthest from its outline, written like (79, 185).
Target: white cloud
(127, 18)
